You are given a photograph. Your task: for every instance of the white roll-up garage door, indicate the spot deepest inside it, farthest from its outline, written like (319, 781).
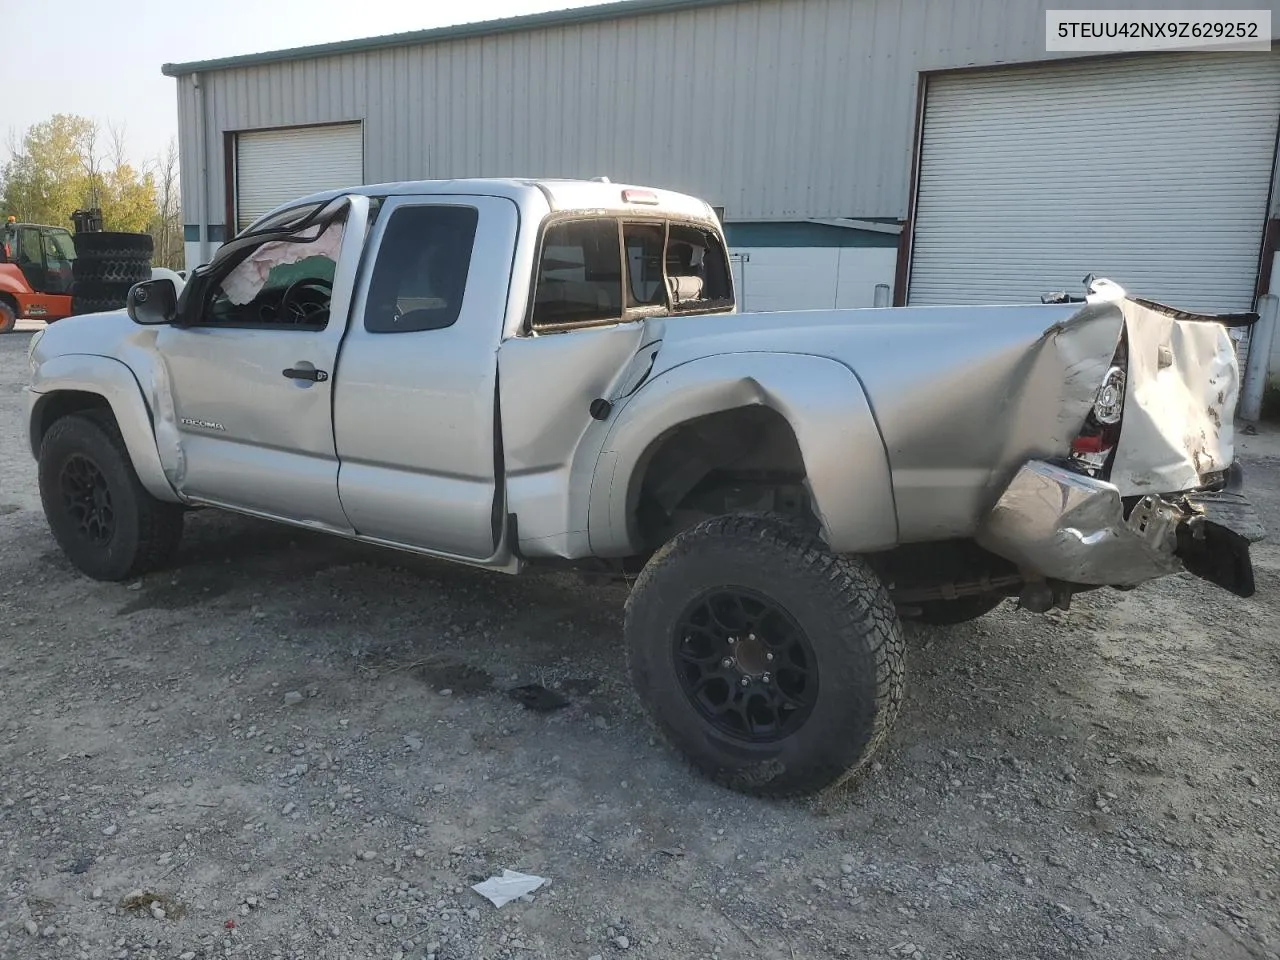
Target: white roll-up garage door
(1153, 171)
(275, 166)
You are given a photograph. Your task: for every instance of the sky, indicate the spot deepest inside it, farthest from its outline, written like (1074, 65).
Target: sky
(102, 60)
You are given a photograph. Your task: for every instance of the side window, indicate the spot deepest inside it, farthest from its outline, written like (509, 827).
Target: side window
(58, 246)
(420, 275)
(697, 270)
(282, 283)
(579, 276)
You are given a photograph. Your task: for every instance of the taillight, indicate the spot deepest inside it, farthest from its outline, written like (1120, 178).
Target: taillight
(1091, 450)
(1090, 443)
(1109, 405)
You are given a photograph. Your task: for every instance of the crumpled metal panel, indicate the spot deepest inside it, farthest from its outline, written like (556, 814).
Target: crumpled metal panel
(1180, 399)
(962, 396)
(1061, 525)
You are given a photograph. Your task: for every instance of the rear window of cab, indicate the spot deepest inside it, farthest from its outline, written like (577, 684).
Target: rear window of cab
(601, 270)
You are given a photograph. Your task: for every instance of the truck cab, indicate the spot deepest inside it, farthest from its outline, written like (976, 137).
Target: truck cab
(35, 273)
(396, 366)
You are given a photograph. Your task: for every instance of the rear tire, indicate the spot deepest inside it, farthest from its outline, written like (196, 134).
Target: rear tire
(8, 316)
(945, 613)
(104, 520)
(805, 692)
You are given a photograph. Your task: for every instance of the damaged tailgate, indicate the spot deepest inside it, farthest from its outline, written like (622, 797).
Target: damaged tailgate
(1150, 485)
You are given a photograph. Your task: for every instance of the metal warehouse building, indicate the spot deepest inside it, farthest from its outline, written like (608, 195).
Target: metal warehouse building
(931, 145)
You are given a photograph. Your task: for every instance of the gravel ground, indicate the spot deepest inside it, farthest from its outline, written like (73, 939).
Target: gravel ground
(289, 746)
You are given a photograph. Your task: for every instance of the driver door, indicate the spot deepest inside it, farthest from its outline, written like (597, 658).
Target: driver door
(250, 377)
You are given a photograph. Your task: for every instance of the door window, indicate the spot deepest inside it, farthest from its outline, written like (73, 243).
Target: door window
(285, 284)
(30, 250)
(579, 275)
(30, 257)
(420, 276)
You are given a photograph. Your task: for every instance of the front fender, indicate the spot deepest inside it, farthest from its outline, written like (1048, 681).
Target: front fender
(115, 383)
(844, 456)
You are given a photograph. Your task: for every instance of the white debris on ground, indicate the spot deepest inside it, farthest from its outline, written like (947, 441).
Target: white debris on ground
(510, 886)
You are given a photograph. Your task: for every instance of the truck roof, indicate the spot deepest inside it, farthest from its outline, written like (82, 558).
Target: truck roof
(558, 194)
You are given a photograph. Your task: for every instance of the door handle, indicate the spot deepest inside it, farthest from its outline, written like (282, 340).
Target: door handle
(301, 373)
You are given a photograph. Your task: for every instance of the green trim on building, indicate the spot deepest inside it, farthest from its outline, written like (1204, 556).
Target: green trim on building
(191, 232)
(803, 234)
(485, 28)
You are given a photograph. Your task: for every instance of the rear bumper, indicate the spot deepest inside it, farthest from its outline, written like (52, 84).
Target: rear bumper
(1060, 525)
(1214, 543)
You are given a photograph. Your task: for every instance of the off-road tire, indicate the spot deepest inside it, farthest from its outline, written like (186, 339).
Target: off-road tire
(115, 246)
(146, 531)
(110, 270)
(944, 613)
(841, 606)
(8, 316)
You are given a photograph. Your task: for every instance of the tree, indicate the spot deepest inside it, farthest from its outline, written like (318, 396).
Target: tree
(59, 167)
(166, 225)
(45, 180)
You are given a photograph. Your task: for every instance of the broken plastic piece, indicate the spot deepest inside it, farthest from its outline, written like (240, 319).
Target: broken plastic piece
(510, 886)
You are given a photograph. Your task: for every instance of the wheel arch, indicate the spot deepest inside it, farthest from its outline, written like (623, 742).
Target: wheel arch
(73, 383)
(812, 410)
(10, 302)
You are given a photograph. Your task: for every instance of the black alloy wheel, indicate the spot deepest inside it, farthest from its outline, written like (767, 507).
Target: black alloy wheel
(87, 500)
(745, 664)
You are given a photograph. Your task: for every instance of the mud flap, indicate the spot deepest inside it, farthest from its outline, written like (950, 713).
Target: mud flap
(1214, 545)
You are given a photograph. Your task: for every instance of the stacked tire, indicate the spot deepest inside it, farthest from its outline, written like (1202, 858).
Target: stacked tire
(106, 266)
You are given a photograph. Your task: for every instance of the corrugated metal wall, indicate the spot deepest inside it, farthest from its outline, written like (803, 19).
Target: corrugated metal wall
(773, 109)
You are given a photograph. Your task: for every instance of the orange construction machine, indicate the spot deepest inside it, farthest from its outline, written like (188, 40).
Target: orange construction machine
(35, 272)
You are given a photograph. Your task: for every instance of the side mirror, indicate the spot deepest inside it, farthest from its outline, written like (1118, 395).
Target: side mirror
(153, 302)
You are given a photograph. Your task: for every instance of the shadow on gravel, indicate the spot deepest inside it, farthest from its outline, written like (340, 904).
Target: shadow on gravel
(188, 592)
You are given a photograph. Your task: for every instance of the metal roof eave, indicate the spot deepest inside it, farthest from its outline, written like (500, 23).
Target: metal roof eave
(484, 28)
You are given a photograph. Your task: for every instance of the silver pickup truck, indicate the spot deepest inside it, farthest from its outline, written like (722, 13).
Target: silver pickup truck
(508, 373)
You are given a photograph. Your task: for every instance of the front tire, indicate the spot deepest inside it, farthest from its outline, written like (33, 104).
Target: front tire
(773, 664)
(106, 522)
(8, 317)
